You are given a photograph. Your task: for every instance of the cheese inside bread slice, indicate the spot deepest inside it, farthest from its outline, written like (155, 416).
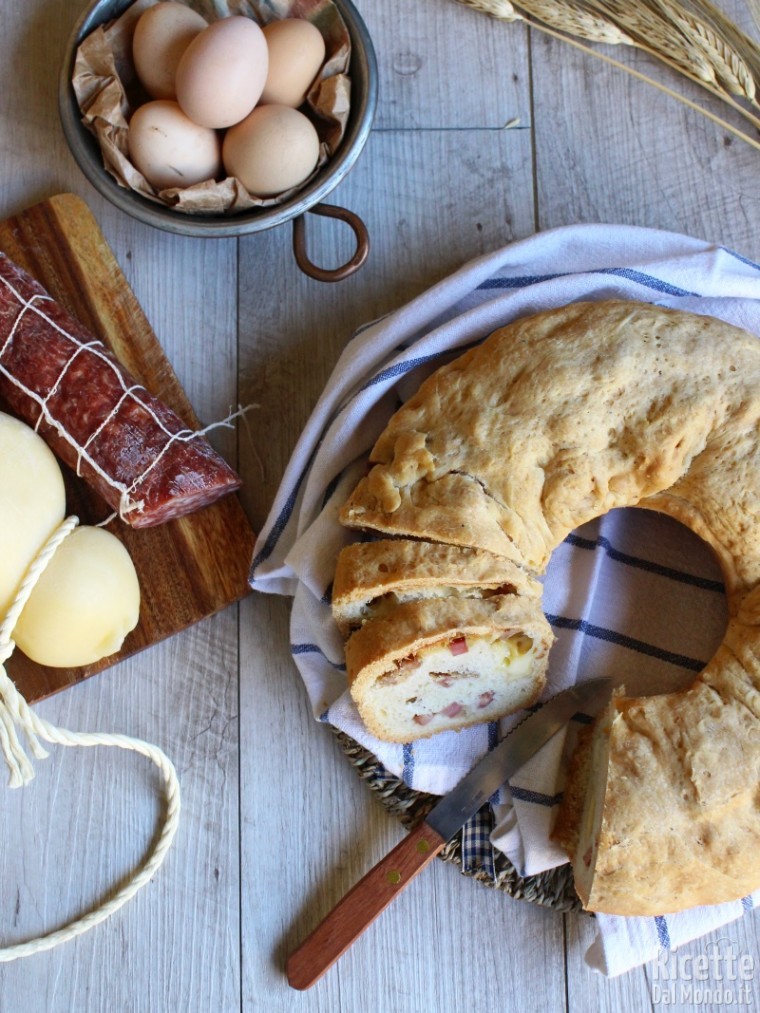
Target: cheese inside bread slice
(441, 664)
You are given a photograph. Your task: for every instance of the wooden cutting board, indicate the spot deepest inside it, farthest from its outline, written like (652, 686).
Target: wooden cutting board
(189, 568)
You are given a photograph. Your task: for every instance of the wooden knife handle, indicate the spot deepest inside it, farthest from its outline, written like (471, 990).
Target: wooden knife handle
(361, 906)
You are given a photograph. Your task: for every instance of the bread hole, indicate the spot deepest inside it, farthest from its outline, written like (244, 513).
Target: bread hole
(446, 679)
(652, 599)
(520, 643)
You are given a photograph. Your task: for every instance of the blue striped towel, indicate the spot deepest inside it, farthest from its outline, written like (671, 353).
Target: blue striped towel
(621, 593)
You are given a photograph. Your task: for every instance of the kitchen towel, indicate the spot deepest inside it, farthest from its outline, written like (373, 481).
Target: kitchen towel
(621, 593)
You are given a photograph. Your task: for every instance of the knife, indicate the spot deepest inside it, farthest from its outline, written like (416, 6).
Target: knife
(372, 894)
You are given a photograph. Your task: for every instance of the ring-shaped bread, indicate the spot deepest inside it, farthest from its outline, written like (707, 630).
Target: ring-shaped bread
(557, 419)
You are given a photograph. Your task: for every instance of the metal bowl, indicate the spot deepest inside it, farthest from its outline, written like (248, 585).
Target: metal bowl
(363, 74)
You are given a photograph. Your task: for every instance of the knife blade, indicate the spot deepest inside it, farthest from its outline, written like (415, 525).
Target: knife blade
(372, 894)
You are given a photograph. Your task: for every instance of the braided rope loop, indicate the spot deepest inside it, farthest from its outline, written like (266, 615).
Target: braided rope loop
(16, 715)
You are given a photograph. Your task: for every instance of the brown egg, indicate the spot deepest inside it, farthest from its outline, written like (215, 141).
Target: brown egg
(222, 72)
(169, 149)
(162, 35)
(296, 53)
(273, 149)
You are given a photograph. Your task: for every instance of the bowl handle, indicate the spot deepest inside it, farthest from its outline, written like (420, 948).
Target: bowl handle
(338, 273)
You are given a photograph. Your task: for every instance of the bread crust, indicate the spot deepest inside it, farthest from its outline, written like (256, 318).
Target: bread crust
(417, 624)
(366, 571)
(557, 419)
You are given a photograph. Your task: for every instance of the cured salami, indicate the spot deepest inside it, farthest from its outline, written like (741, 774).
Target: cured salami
(126, 443)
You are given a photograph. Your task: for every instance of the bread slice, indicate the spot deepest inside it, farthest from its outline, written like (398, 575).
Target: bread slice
(578, 825)
(567, 827)
(371, 578)
(443, 664)
(662, 809)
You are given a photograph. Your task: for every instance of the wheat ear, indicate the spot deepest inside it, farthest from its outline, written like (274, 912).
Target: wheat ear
(593, 20)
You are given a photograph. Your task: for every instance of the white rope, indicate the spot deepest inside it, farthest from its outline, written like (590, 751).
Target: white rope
(16, 715)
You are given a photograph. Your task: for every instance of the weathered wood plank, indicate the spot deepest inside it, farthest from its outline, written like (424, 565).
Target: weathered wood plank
(663, 166)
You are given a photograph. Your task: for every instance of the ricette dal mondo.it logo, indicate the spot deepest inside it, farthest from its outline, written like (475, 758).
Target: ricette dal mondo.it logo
(719, 976)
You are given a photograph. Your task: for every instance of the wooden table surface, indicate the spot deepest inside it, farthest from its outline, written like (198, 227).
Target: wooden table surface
(276, 826)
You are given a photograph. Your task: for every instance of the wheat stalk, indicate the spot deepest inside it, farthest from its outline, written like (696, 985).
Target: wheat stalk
(667, 31)
(699, 42)
(729, 66)
(575, 18)
(754, 9)
(707, 35)
(651, 34)
(744, 47)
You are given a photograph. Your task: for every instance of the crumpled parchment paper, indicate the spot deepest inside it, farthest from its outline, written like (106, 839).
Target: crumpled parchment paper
(108, 91)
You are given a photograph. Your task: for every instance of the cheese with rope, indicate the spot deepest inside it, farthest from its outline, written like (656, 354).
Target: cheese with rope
(32, 502)
(84, 604)
(86, 598)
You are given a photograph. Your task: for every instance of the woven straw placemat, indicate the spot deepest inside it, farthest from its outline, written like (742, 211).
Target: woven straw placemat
(553, 888)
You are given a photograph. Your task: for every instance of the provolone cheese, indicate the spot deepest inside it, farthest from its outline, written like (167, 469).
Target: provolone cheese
(85, 603)
(32, 502)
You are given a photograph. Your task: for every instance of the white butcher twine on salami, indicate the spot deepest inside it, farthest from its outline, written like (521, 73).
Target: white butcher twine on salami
(129, 446)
